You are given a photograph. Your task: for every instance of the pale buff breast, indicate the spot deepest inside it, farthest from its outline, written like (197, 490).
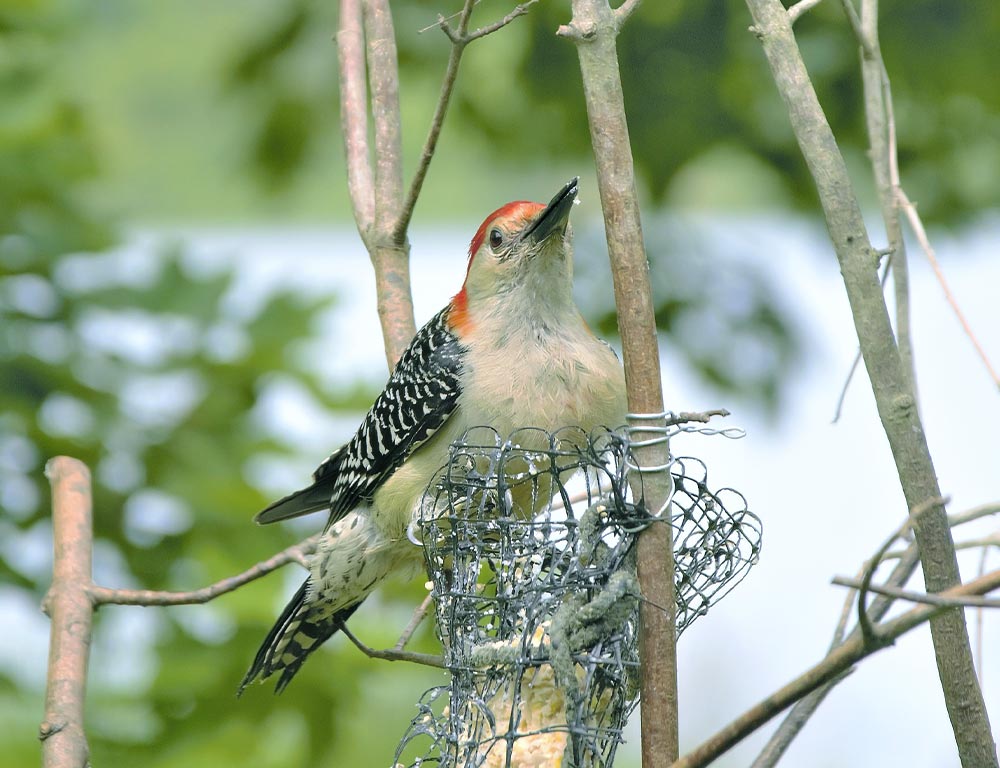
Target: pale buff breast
(561, 379)
(568, 378)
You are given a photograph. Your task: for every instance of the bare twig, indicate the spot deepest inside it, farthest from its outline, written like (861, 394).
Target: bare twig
(880, 119)
(64, 741)
(489, 29)
(882, 134)
(594, 28)
(920, 597)
(857, 355)
(147, 597)
(383, 80)
(845, 616)
(800, 8)
(982, 542)
(625, 10)
(437, 121)
(855, 21)
(354, 116)
(865, 624)
(415, 620)
(394, 654)
(975, 513)
(910, 211)
(908, 559)
(391, 258)
(459, 39)
(449, 17)
(834, 665)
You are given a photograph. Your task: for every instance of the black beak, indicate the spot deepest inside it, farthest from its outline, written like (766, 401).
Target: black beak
(555, 215)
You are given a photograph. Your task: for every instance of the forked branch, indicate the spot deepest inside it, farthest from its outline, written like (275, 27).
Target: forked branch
(836, 664)
(369, 78)
(894, 395)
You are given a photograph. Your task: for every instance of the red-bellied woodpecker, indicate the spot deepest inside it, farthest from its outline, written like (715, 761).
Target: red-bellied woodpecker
(511, 350)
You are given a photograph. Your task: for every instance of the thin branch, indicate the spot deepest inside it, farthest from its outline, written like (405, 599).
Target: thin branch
(885, 160)
(383, 80)
(459, 39)
(880, 119)
(803, 709)
(983, 542)
(489, 29)
(64, 741)
(840, 631)
(913, 218)
(440, 18)
(354, 116)
(857, 355)
(624, 11)
(415, 620)
(147, 597)
(921, 597)
(437, 121)
(830, 668)
(391, 259)
(855, 21)
(800, 8)
(865, 624)
(394, 654)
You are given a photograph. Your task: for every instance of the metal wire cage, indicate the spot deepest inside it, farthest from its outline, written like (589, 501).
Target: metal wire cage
(529, 543)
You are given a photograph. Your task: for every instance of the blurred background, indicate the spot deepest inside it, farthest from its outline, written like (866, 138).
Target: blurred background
(186, 307)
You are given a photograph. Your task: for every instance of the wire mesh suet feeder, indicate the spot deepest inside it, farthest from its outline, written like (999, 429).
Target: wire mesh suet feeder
(529, 542)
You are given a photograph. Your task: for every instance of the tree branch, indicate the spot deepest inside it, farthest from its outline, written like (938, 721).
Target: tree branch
(415, 620)
(797, 10)
(894, 397)
(147, 597)
(68, 605)
(459, 39)
(920, 597)
(394, 654)
(880, 121)
(437, 122)
(913, 218)
(354, 116)
(390, 258)
(624, 11)
(857, 355)
(833, 666)
(593, 28)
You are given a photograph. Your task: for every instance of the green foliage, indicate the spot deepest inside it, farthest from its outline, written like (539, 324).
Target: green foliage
(695, 80)
(137, 363)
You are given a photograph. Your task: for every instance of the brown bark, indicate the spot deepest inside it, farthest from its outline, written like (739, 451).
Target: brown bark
(68, 605)
(594, 28)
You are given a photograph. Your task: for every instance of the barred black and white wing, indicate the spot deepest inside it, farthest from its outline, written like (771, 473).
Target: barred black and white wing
(419, 397)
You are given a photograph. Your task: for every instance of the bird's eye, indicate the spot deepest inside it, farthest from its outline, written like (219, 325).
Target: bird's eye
(496, 238)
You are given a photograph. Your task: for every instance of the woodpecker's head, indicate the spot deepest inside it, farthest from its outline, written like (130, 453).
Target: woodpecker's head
(522, 252)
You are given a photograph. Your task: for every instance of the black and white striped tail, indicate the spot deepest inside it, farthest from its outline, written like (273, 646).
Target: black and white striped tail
(300, 630)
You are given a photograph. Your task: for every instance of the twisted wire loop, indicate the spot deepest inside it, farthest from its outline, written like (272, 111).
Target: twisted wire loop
(529, 542)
